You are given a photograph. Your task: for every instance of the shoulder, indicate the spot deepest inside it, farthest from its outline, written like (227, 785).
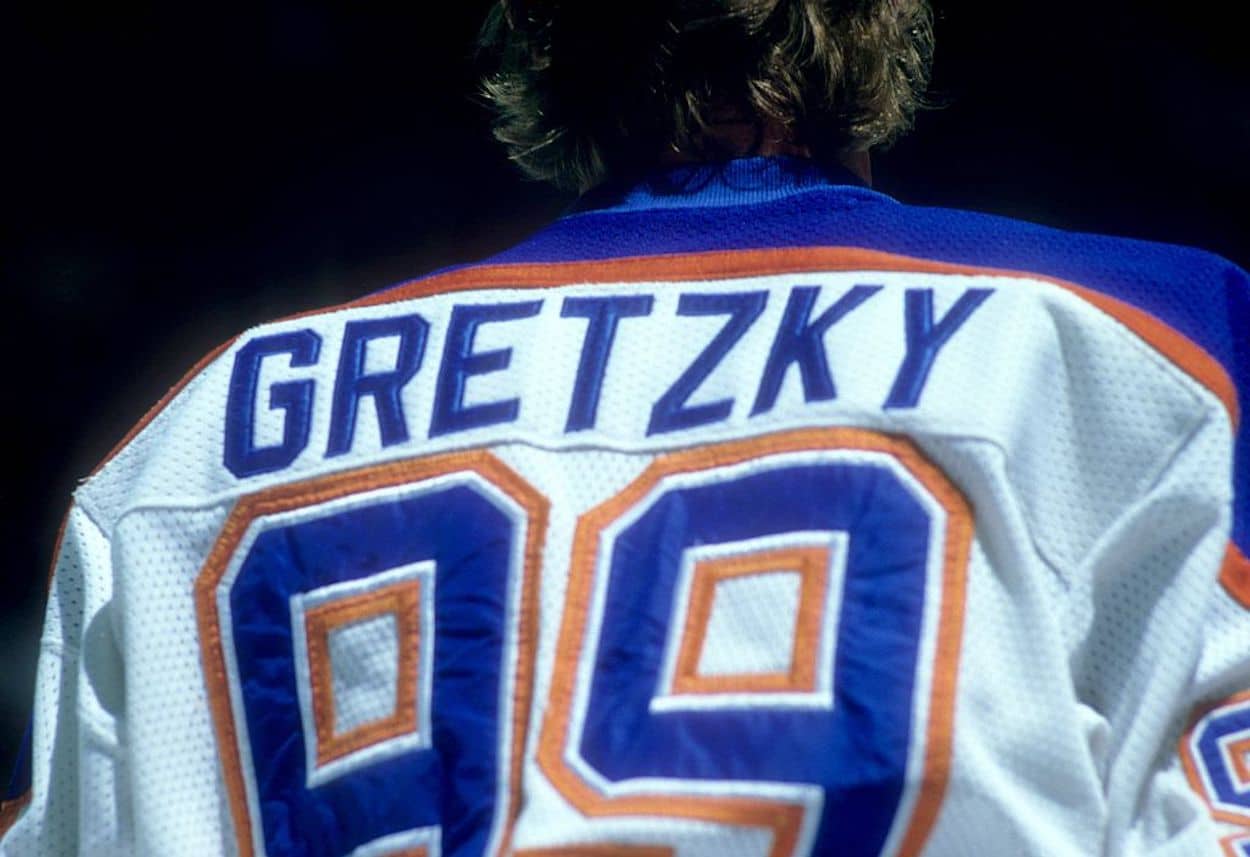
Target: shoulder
(244, 412)
(1198, 293)
(1125, 264)
(1201, 296)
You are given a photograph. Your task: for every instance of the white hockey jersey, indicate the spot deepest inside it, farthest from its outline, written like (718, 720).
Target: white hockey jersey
(767, 518)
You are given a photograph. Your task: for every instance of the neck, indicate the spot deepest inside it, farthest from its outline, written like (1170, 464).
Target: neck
(744, 139)
(860, 163)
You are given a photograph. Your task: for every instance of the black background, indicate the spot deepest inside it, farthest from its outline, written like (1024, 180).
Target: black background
(178, 172)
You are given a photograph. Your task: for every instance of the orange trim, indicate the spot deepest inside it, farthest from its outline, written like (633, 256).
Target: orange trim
(1230, 843)
(812, 566)
(1190, 765)
(403, 601)
(1237, 754)
(1235, 575)
(56, 548)
(419, 851)
(726, 264)
(1186, 354)
(783, 819)
(169, 396)
(11, 811)
(313, 492)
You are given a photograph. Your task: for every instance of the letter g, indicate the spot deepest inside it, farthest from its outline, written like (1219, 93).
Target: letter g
(295, 398)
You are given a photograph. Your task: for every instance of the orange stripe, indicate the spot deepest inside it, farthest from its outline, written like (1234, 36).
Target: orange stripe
(1233, 842)
(56, 548)
(811, 564)
(169, 396)
(726, 264)
(938, 746)
(1182, 351)
(1237, 752)
(784, 819)
(401, 600)
(1190, 357)
(11, 811)
(297, 495)
(1235, 575)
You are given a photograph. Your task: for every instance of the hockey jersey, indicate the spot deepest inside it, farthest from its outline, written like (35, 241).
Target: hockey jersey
(742, 512)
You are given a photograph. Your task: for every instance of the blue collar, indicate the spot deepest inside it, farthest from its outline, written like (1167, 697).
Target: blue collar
(738, 182)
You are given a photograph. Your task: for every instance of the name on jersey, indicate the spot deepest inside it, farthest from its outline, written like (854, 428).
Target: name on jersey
(595, 342)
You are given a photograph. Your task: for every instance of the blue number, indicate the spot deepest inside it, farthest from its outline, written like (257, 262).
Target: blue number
(1216, 757)
(833, 739)
(453, 782)
(831, 773)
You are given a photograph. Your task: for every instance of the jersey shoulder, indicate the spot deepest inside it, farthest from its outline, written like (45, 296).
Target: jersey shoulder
(1198, 292)
(1194, 293)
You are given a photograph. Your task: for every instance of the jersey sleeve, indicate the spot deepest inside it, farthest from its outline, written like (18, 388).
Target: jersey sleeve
(1175, 594)
(1148, 583)
(1213, 752)
(76, 801)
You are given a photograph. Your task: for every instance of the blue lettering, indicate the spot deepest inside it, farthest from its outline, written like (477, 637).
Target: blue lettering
(242, 457)
(802, 341)
(603, 315)
(670, 412)
(353, 384)
(460, 363)
(926, 338)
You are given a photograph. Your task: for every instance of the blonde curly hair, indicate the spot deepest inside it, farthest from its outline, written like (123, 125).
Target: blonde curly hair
(585, 90)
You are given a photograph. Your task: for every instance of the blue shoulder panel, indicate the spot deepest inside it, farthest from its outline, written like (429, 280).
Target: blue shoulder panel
(772, 203)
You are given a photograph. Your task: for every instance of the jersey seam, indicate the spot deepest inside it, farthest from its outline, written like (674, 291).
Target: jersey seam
(93, 517)
(233, 495)
(84, 494)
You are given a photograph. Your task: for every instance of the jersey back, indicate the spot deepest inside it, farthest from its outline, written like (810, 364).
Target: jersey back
(764, 519)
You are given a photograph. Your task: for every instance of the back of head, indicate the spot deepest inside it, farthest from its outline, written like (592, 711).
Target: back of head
(585, 91)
